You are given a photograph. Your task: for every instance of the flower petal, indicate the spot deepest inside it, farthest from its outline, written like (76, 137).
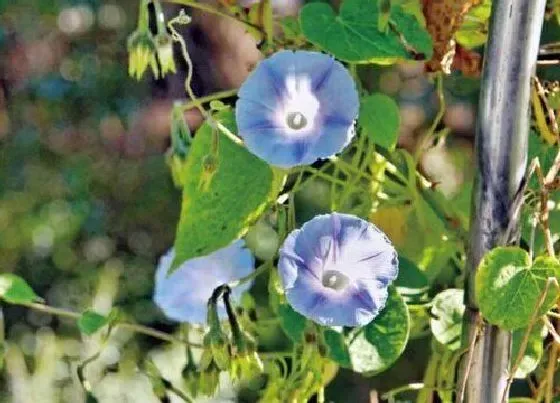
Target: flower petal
(336, 269)
(183, 295)
(309, 84)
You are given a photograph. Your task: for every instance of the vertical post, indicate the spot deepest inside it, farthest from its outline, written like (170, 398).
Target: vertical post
(501, 156)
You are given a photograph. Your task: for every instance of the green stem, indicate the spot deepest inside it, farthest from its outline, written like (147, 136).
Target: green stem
(259, 270)
(143, 17)
(430, 133)
(182, 18)
(195, 103)
(160, 17)
(148, 331)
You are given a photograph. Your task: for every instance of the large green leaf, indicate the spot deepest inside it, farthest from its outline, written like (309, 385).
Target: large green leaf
(219, 206)
(533, 352)
(508, 286)
(15, 290)
(378, 345)
(380, 118)
(354, 34)
(447, 317)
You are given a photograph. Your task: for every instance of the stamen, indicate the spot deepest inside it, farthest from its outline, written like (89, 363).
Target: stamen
(335, 280)
(296, 120)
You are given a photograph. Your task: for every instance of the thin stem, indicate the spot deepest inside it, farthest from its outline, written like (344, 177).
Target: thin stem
(439, 116)
(258, 271)
(143, 18)
(523, 346)
(182, 18)
(195, 103)
(551, 368)
(160, 17)
(125, 325)
(349, 169)
(211, 10)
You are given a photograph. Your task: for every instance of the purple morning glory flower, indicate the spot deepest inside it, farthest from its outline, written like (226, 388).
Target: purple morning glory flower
(184, 294)
(297, 107)
(336, 269)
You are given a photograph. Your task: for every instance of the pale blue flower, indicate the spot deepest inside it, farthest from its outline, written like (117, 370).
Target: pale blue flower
(336, 269)
(183, 295)
(296, 108)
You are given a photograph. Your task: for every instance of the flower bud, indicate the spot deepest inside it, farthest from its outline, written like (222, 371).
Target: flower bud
(141, 53)
(164, 48)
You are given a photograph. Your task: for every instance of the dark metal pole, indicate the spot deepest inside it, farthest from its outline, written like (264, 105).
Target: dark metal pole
(501, 156)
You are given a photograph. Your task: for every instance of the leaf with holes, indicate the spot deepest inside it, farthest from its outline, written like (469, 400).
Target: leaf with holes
(447, 317)
(378, 345)
(219, 206)
(508, 287)
(353, 35)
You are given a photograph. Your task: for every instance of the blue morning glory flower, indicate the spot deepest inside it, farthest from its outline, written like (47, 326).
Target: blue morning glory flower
(183, 295)
(297, 107)
(336, 269)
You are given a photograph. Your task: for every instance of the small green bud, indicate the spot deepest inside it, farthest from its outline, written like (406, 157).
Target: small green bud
(221, 351)
(141, 53)
(164, 48)
(209, 380)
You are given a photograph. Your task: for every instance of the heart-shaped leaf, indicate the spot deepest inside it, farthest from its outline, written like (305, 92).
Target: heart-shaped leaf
(508, 287)
(447, 317)
(380, 118)
(375, 347)
(354, 34)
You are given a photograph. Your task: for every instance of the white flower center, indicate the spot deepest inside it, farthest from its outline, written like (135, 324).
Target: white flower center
(335, 280)
(299, 107)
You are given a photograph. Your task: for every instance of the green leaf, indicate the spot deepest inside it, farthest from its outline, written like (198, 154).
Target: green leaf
(508, 287)
(447, 317)
(337, 351)
(291, 322)
(90, 322)
(15, 290)
(354, 36)
(533, 352)
(378, 345)
(380, 118)
(411, 281)
(474, 30)
(218, 208)
(545, 153)
(413, 32)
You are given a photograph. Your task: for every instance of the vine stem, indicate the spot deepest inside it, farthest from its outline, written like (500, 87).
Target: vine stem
(439, 116)
(195, 103)
(212, 10)
(258, 271)
(148, 331)
(523, 346)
